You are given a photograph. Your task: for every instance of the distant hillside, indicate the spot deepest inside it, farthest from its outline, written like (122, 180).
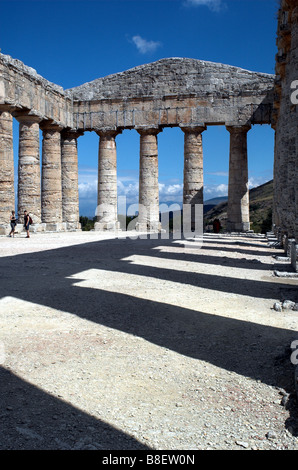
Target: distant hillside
(260, 209)
(210, 203)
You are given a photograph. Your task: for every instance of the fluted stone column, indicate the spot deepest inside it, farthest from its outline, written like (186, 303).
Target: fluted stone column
(107, 214)
(238, 193)
(51, 188)
(193, 181)
(29, 168)
(148, 218)
(7, 197)
(70, 184)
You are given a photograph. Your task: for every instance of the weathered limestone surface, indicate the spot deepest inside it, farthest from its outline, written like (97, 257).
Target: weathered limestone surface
(70, 183)
(193, 181)
(29, 168)
(107, 182)
(238, 192)
(173, 92)
(148, 218)
(7, 198)
(31, 99)
(51, 193)
(286, 123)
(22, 88)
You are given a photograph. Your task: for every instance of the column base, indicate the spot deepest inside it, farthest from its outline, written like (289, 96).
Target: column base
(35, 228)
(42, 227)
(4, 229)
(55, 227)
(238, 227)
(73, 226)
(106, 226)
(148, 227)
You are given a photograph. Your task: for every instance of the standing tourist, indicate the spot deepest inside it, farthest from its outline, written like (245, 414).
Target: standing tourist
(27, 223)
(13, 223)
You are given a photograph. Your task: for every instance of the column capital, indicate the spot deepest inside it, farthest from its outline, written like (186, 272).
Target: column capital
(71, 133)
(148, 130)
(193, 128)
(50, 126)
(238, 128)
(108, 132)
(23, 116)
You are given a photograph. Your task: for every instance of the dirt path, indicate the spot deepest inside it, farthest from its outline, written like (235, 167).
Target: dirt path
(111, 343)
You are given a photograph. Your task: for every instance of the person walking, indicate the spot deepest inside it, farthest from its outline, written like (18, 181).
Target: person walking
(27, 223)
(216, 226)
(13, 223)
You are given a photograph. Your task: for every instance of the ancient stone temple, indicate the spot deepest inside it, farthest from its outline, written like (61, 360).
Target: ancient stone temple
(176, 92)
(185, 93)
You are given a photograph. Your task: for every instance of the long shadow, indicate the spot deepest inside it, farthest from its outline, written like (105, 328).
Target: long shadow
(239, 250)
(247, 348)
(235, 345)
(226, 241)
(95, 255)
(33, 420)
(217, 260)
(233, 285)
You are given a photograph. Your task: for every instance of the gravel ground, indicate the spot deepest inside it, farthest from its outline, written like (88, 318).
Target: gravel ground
(113, 343)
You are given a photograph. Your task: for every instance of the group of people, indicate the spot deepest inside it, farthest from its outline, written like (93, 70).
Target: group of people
(13, 223)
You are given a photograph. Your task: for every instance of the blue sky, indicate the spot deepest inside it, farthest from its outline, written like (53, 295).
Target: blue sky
(71, 42)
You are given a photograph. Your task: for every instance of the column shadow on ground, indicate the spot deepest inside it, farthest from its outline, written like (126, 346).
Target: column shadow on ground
(236, 249)
(218, 261)
(45, 279)
(247, 348)
(34, 420)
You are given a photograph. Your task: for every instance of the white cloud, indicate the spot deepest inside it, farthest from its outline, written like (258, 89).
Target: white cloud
(253, 181)
(127, 185)
(87, 189)
(170, 192)
(88, 183)
(144, 46)
(212, 191)
(214, 5)
(129, 189)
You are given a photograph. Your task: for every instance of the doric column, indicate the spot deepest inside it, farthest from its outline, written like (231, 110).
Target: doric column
(193, 181)
(7, 197)
(238, 193)
(107, 214)
(51, 187)
(148, 218)
(29, 167)
(70, 183)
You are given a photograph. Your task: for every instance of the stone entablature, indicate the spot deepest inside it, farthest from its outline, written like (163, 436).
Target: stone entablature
(174, 92)
(24, 90)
